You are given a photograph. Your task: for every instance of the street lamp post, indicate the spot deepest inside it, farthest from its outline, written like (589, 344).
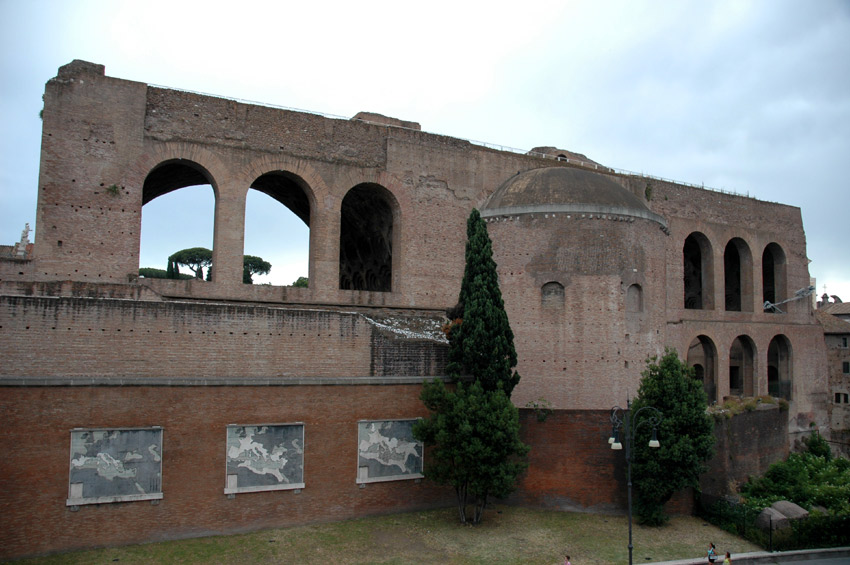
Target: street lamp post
(630, 423)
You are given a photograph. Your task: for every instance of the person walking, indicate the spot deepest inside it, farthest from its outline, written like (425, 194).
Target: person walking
(567, 560)
(728, 559)
(712, 553)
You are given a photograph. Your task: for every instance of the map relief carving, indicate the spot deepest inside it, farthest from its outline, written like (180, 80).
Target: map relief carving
(265, 457)
(387, 451)
(115, 466)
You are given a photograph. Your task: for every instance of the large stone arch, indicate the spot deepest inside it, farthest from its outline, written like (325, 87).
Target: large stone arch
(171, 175)
(742, 367)
(698, 279)
(779, 367)
(167, 167)
(288, 173)
(291, 191)
(773, 277)
(738, 276)
(369, 217)
(175, 174)
(702, 356)
(199, 158)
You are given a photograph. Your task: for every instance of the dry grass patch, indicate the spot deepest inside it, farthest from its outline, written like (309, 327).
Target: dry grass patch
(508, 535)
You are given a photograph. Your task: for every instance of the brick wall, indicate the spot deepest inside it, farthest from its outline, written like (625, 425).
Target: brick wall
(80, 336)
(745, 445)
(36, 445)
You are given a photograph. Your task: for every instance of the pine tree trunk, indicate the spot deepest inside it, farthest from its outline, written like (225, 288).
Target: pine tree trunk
(461, 503)
(480, 505)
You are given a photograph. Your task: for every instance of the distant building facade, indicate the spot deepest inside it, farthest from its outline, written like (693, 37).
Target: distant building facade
(835, 319)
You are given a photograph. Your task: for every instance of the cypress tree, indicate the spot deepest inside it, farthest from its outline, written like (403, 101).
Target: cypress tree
(482, 344)
(474, 429)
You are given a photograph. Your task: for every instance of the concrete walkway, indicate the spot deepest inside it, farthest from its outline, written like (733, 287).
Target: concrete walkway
(833, 556)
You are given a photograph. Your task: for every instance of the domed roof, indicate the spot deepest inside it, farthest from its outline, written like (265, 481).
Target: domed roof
(565, 189)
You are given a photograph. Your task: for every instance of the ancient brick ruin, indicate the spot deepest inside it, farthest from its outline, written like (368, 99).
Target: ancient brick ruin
(599, 270)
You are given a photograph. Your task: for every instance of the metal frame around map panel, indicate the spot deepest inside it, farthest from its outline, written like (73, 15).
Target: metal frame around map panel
(231, 489)
(75, 489)
(363, 480)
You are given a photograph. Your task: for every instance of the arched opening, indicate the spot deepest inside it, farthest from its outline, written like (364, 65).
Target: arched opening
(178, 212)
(741, 366)
(634, 298)
(702, 356)
(552, 295)
(366, 239)
(279, 235)
(737, 274)
(779, 367)
(698, 277)
(773, 276)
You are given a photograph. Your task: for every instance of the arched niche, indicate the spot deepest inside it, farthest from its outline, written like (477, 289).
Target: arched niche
(738, 276)
(779, 377)
(742, 367)
(178, 211)
(698, 279)
(552, 295)
(702, 356)
(367, 225)
(773, 277)
(280, 234)
(634, 298)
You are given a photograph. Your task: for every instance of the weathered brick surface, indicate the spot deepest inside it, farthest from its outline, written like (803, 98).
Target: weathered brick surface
(36, 444)
(135, 338)
(77, 310)
(745, 445)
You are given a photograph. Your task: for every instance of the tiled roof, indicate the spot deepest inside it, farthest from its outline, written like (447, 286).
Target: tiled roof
(832, 324)
(836, 308)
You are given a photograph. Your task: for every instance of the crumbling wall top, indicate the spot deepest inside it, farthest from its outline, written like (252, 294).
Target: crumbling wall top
(79, 67)
(374, 118)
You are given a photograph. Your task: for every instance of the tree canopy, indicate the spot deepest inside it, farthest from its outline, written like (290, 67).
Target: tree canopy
(153, 273)
(686, 435)
(302, 282)
(195, 258)
(253, 265)
(199, 258)
(474, 429)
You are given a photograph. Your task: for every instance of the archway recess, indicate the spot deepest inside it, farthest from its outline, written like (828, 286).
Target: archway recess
(702, 356)
(367, 222)
(279, 234)
(178, 212)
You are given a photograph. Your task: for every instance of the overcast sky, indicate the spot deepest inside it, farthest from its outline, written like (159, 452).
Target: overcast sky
(752, 97)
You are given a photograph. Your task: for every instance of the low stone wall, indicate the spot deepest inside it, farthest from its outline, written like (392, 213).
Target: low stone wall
(747, 444)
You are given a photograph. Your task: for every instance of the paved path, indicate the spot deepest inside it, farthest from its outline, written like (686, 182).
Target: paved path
(834, 556)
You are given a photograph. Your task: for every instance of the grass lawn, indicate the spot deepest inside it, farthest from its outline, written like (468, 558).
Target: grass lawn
(507, 534)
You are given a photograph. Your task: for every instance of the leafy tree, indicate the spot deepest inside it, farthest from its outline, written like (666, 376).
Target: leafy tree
(199, 258)
(686, 434)
(482, 342)
(195, 258)
(302, 282)
(807, 479)
(478, 450)
(474, 429)
(817, 446)
(252, 265)
(152, 273)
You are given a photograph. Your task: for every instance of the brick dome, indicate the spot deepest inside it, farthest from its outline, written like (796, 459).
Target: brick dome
(565, 189)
